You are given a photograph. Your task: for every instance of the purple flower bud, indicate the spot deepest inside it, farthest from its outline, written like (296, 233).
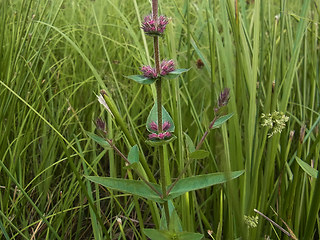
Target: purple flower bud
(154, 27)
(223, 99)
(149, 72)
(154, 126)
(167, 67)
(100, 124)
(165, 126)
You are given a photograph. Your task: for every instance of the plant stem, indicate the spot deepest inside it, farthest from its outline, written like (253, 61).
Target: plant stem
(206, 133)
(163, 184)
(159, 109)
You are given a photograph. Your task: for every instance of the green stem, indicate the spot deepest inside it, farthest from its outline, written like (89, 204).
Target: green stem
(163, 184)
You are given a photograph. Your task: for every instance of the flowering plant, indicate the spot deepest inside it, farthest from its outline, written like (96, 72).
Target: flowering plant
(161, 130)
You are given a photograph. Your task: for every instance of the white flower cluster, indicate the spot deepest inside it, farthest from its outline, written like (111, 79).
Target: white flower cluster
(251, 221)
(276, 121)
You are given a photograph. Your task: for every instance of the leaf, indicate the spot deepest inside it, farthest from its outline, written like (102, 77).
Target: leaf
(133, 156)
(155, 143)
(175, 222)
(222, 120)
(190, 236)
(307, 168)
(135, 187)
(101, 141)
(153, 117)
(190, 146)
(141, 79)
(176, 73)
(199, 154)
(154, 234)
(201, 181)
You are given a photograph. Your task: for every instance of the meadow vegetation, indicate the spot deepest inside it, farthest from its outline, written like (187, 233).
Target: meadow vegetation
(56, 56)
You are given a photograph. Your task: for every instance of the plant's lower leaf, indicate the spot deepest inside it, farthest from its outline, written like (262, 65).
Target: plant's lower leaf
(307, 168)
(154, 234)
(135, 187)
(201, 181)
(189, 236)
(141, 79)
(101, 141)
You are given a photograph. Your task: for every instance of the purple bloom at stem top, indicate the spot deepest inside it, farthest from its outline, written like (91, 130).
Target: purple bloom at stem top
(154, 27)
(149, 72)
(167, 67)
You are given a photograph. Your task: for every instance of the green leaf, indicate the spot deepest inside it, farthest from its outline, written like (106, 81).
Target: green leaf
(199, 154)
(135, 187)
(155, 143)
(176, 73)
(222, 120)
(133, 156)
(307, 168)
(153, 117)
(190, 236)
(101, 141)
(141, 79)
(190, 146)
(154, 234)
(201, 181)
(175, 222)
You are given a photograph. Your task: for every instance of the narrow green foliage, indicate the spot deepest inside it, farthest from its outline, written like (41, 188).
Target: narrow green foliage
(135, 187)
(307, 168)
(201, 181)
(102, 142)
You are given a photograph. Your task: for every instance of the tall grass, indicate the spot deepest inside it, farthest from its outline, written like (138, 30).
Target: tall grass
(56, 55)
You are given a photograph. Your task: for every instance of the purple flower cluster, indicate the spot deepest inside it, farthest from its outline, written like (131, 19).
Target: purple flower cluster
(149, 72)
(165, 126)
(167, 67)
(154, 27)
(154, 136)
(162, 135)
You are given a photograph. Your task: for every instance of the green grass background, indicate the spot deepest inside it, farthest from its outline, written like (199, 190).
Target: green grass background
(55, 56)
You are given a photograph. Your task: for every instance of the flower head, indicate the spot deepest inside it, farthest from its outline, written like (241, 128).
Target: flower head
(149, 72)
(154, 126)
(154, 27)
(251, 221)
(167, 67)
(159, 136)
(275, 121)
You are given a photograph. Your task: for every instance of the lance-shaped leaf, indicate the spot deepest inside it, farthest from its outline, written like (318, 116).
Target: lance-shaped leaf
(135, 187)
(153, 117)
(155, 234)
(101, 141)
(307, 168)
(141, 79)
(176, 73)
(133, 156)
(190, 145)
(201, 181)
(199, 154)
(222, 120)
